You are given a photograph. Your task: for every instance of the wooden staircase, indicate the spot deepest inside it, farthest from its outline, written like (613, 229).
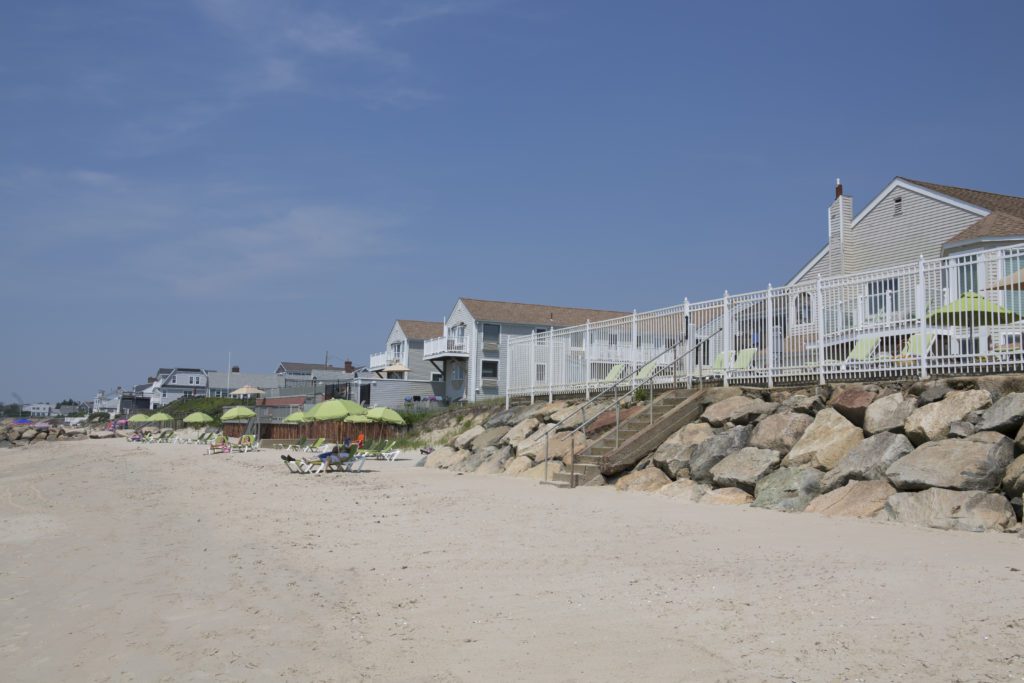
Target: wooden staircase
(616, 452)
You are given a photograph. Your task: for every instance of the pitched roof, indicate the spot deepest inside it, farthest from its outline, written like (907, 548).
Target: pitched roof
(535, 314)
(288, 366)
(996, 224)
(986, 200)
(421, 329)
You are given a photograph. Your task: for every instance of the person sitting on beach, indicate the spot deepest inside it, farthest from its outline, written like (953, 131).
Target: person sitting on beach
(350, 453)
(330, 455)
(360, 440)
(136, 436)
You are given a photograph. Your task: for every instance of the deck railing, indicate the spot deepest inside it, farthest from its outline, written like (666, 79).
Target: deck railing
(379, 361)
(442, 346)
(957, 314)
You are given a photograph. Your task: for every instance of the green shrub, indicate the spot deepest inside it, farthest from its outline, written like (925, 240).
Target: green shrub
(641, 394)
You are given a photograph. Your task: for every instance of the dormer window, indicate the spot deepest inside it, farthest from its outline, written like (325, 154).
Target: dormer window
(897, 206)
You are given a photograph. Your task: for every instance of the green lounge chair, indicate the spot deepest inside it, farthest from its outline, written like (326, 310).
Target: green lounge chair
(315, 445)
(299, 445)
(614, 375)
(647, 370)
(912, 348)
(744, 359)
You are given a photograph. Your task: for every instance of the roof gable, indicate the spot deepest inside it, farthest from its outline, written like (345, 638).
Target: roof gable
(991, 201)
(996, 224)
(420, 329)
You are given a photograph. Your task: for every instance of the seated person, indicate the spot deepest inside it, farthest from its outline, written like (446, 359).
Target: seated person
(350, 453)
(330, 454)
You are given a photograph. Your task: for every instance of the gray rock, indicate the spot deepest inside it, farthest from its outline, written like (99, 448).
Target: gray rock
(932, 391)
(945, 509)
(29, 434)
(520, 431)
(473, 460)
(1006, 415)
(490, 437)
(518, 465)
(716, 394)
(711, 451)
(647, 480)
(808, 405)
(102, 435)
(738, 410)
(685, 490)
(852, 403)
(868, 460)
(976, 463)
(463, 440)
(673, 456)
(745, 467)
(505, 418)
(495, 461)
(780, 432)
(855, 499)
(931, 422)
(961, 430)
(445, 457)
(830, 437)
(1013, 480)
(789, 489)
(889, 413)
(727, 496)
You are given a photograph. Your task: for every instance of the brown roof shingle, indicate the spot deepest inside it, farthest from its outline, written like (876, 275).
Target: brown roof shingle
(535, 314)
(986, 200)
(421, 329)
(996, 224)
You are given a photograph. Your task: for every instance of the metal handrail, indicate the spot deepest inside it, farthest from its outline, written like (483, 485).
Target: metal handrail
(617, 399)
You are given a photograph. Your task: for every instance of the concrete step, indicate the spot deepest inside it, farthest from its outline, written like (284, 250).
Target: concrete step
(556, 484)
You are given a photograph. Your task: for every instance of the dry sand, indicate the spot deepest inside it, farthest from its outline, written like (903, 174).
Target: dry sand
(127, 562)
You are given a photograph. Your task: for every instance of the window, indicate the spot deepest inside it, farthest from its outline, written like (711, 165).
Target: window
(492, 333)
(542, 372)
(436, 377)
(803, 308)
(967, 275)
(883, 296)
(897, 206)
(456, 372)
(489, 369)
(1014, 298)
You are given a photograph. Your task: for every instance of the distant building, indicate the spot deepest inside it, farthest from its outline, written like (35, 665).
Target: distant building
(39, 409)
(173, 383)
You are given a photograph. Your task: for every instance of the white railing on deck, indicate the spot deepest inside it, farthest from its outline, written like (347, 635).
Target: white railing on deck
(442, 346)
(379, 361)
(864, 326)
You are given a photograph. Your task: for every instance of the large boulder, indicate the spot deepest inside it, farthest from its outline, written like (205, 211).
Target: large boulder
(788, 489)
(868, 460)
(830, 437)
(852, 403)
(673, 456)
(1013, 480)
(495, 461)
(545, 411)
(743, 468)
(711, 451)
(686, 490)
(506, 418)
(780, 432)
(1000, 385)
(976, 463)
(931, 391)
(931, 422)
(647, 479)
(738, 410)
(559, 445)
(473, 460)
(539, 472)
(465, 438)
(570, 417)
(945, 509)
(802, 403)
(1005, 415)
(855, 499)
(445, 457)
(490, 437)
(727, 496)
(520, 431)
(889, 413)
(98, 435)
(29, 434)
(518, 465)
(716, 394)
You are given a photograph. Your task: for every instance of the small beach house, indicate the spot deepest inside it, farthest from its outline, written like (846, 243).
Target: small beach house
(403, 354)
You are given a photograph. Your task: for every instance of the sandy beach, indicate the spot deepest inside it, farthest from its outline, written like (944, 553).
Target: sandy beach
(126, 562)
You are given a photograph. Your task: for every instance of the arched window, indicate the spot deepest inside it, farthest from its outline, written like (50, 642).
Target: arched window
(803, 308)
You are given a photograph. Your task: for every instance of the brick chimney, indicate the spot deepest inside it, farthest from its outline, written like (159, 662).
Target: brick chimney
(840, 217)
(348, 366)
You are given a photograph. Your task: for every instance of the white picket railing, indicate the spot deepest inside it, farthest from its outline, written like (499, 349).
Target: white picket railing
(440, 347)
(935, 316)
(379, 361)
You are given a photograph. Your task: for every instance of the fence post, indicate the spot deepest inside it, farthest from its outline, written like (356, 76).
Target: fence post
(922, 311)
(821, 333)
(726, 340)
(689, 345)
(770, 331)
(508, 371)
(533, 364)
(586, 359)
(633, 353)
(551, 364)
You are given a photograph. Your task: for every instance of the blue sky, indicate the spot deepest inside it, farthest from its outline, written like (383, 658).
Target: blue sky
(183, 179)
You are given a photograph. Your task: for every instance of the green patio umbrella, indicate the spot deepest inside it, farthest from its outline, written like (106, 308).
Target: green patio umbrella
(358, 419)
(972, 310)
(333, 409)
(138, 418)
(197, 419)
(238, 413)
(296, 417)
(386, 415)
(353, 407)
(160, 417)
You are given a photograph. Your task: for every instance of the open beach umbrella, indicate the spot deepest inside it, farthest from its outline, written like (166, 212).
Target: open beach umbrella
(972, 310)
(386, 415)
(160, 417)
(296, 417)
(333, 409)
(247, 390)
(358, 419)
(353, 407)
(197, 419)
(138, 418)
(238, 413)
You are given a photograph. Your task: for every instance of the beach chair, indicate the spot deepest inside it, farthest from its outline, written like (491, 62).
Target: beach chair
(299, 445)
(204, 438)
(613, 376)
(647, 370)
(297, 465)
(912, 348)
(246, 443)
(166, 436)
(220, 444)
(310, 448)
(385, 451)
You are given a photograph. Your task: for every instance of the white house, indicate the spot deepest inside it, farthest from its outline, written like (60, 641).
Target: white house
(472, 351)
(403, 354)
(39, 409)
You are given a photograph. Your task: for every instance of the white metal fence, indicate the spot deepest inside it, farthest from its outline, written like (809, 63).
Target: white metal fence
(958, 314)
